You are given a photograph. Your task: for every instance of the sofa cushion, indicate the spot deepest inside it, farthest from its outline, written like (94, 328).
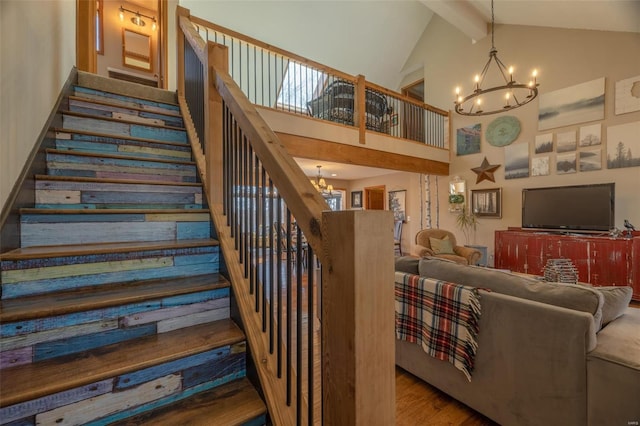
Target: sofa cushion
(572, 296)
(441, 246)
(407, 264)
(616, 301)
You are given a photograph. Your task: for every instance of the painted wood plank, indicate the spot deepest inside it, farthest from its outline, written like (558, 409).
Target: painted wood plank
(136, 378)
(138, 176)
(193, 319)
(89, 111)
(69, 185)
(212, 370)
(48, 234)
(70, 283)
(28, 421)
(77, 318)
(28, 218)
(202, 296)
(138, 119)
(169, 120)
(154, 152)
(14, 358)
(158, 133)
(95, 125)
(49, 335)
(178, 217)
(98, 106)
(102, 170)
(94, 408)
(50, 402)
(86, 92)
(82, 146)
(46, 196)
(134, 198)
(190, 230)
(105, 160)
(78, 136)
(85, 342)
(174, 312)
(187, 393)
(214, 256)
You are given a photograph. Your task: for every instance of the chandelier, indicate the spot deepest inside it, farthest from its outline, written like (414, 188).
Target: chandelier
(320, 184)
(499, 98)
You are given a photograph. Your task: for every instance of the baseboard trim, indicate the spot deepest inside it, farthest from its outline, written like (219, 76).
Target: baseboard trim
(23, 192)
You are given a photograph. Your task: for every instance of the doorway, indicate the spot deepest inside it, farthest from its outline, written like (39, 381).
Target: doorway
(374, 197)
(413, 123)
(101, 31)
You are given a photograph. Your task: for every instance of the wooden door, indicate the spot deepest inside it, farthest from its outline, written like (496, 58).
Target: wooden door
(374, 197)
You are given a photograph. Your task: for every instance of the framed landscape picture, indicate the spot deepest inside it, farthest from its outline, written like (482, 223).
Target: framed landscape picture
(356, 199)
(576, 104)
(487, 202)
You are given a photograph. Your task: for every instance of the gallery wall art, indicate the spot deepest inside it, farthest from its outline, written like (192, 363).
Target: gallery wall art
(623, 145)
(590, 159)
(540, 166)
(468, 139)
(591, 135)
(576, 104)
(516, 161)
(566, 163)
(566, 141)
(544, 143)
(628, 95)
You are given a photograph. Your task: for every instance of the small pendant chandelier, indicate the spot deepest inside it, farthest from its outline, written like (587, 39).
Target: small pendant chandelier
(499, 98)
(321, 185)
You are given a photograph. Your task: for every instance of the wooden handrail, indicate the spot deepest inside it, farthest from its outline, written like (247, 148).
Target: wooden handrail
(406, 99)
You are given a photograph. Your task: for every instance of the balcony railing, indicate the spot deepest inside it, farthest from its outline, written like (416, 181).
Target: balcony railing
(275, 78)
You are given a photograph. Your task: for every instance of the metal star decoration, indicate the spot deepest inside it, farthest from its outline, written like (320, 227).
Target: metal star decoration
(485, 171)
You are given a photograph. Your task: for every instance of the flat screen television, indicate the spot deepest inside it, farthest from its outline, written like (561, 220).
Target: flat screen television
(579, 208)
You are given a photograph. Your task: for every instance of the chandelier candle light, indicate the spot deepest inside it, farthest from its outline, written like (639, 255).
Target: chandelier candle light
(321, 185)
(514, 94)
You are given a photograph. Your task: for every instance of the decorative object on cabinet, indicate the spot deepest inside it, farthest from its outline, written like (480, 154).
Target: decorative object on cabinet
(457, 193)
(571, 105)
(543, 143)
(497, 98)
(468, 139)
(628, 95)
(356, 199)
(591, 135)
(397, 204)
(540, 166)
(487, 202)
(566, 163)
(516, 161)
(485, 171)
(566, 141)
(590, 159)
(623, 145)
(503, 131)
(560, 271)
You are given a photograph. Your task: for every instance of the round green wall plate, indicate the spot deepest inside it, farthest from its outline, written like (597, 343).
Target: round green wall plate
(503, 130)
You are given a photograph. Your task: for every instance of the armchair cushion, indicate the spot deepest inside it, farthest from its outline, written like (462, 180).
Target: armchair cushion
(441, 246)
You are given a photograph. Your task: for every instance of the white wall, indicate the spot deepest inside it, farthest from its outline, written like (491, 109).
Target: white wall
(37, 53)
(564, 58)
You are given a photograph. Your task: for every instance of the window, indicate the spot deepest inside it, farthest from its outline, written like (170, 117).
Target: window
(299, 85)
(99, 27)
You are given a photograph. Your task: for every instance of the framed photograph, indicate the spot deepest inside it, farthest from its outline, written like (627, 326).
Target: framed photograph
(397, 204)
(487, 202)
(468, 139)
(576, 104)
(356, 199)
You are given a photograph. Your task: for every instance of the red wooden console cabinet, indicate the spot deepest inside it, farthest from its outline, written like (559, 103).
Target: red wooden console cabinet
(601, 260)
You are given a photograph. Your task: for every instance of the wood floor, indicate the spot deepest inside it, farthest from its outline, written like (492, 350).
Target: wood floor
(418, 403)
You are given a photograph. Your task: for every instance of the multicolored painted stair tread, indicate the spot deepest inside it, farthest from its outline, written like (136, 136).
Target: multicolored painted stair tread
(103, 107)
(61, 374)
(106, 296)
(235, 403)
(148, 104)
(73, 120)
(79, 134)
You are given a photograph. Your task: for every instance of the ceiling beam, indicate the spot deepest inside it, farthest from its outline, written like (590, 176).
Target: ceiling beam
(462, 15)
(317, 149)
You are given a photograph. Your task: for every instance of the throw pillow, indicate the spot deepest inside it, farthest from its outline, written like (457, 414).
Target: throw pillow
(441, 246)
(616, 301)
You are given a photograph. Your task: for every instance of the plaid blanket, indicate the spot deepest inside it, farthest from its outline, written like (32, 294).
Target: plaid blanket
(442, 317)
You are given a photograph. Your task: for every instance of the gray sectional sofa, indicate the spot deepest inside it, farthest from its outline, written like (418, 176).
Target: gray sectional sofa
(548, 353)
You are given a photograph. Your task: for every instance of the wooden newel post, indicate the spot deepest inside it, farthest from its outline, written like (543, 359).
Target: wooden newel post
(360, 107)
(358, 338)
(218, 56)
(180, 11)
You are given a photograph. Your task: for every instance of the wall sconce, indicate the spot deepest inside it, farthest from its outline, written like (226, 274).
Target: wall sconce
(137, 18)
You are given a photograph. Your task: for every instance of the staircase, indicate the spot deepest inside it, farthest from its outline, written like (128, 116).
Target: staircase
(113, 308)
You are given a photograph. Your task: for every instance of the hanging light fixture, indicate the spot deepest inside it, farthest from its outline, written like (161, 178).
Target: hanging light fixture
(137, 17)
(499, 98)
(320, 184)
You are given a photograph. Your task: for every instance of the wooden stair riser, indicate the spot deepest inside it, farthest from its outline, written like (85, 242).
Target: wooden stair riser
(113, 111)
(130, 394)
(127, 101)
(57, 229)
(63, 164)
(123, 129)
(92, 195)
(24, 342)
(120, 146)
(41, 276)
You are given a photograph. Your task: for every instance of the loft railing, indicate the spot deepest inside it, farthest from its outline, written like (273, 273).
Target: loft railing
(324, 352)
(275, 78)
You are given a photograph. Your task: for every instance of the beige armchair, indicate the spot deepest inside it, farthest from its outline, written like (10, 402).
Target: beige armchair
(459, 254)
